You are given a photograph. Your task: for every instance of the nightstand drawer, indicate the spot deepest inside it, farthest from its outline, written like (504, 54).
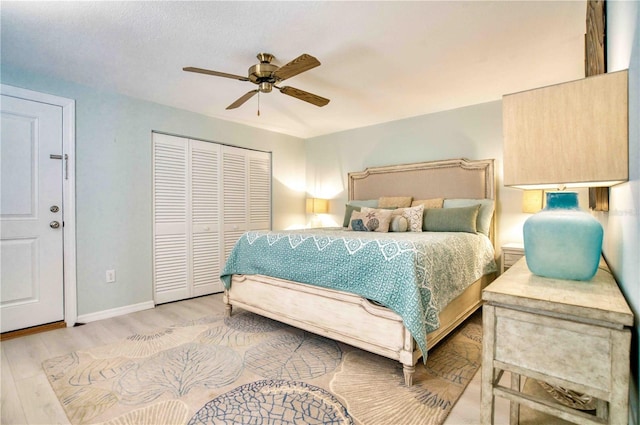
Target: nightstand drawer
(530, 342)
(511, 253)
(510, 259)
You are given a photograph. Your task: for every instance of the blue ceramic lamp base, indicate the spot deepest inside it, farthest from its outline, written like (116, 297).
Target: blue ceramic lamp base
(562, 241)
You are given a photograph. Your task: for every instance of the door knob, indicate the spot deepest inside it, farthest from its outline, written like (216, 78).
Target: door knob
(54, 224)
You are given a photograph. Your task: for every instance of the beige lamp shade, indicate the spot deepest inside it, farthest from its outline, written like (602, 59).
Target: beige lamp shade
(573, 134)
(317, 206)
(532, 200)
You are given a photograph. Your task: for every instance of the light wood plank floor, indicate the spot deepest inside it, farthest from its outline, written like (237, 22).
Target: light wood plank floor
(27, 398)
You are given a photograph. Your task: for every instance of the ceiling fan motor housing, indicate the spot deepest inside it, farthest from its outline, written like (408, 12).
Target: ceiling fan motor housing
(262, 73)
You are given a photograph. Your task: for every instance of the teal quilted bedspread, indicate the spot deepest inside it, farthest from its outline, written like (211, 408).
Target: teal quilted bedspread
(415, 274)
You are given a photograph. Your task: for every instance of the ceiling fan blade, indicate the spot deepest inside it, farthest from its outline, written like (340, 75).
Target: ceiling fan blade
(303, 95)
(300, 64)
(214, 73)
(242, 99)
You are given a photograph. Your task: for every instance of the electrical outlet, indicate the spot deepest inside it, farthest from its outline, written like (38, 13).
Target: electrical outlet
(111, 276)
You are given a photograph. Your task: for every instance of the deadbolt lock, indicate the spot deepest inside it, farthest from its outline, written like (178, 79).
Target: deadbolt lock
(54, 208)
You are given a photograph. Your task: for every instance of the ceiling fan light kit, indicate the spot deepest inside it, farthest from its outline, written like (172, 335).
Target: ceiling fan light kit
(266, 75)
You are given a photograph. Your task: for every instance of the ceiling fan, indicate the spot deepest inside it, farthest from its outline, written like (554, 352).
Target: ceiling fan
(266, 76)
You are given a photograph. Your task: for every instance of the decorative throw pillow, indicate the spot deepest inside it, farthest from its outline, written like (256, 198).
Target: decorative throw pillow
(451, 219)
(355, 205)
(374, 220)
(394, 201)
(485, 214)
(398, 224)
(413, 215)
(349, 209)
(429, 203)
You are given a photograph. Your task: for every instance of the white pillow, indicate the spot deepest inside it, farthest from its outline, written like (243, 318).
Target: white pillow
(398, 224)
(413, 216)
(374, 220)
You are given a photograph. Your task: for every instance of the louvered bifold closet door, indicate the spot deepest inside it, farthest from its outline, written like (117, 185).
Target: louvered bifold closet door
(170, 215)
(205, 217)
(259, 190)
(235, 200)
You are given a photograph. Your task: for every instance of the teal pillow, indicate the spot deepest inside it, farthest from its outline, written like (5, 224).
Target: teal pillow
(483, 224)
(369, 203)
(451, 219)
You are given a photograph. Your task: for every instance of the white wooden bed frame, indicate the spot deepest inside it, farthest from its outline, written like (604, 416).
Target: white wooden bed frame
(350, 318)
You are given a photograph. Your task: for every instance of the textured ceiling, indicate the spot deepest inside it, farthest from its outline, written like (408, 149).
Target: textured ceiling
(381, 61)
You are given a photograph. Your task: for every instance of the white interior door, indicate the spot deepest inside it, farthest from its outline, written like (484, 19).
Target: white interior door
(259, 190)
(235, 199)
(246, 187)
(205, 187)
(31, 213)
(171, 217)
(186, 200)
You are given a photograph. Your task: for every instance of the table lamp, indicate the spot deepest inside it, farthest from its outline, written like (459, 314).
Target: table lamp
(573, 134)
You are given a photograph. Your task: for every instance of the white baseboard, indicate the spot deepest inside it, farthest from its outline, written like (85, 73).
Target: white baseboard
(119, 311)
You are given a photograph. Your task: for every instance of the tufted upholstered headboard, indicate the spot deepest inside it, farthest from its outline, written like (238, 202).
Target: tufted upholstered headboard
(451, 178)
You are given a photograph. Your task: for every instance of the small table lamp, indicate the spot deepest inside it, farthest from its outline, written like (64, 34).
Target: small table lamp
(317, 206)
(573, 134)
(532, 200)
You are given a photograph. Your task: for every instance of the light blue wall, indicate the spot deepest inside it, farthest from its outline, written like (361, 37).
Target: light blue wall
(622, 222)
(473, 132)
(113, 182)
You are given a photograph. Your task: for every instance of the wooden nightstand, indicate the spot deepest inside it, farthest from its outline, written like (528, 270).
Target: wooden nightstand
(566, 333)
(511, 253)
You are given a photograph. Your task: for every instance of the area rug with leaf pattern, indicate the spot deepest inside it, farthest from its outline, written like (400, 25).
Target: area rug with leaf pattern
(247, 369)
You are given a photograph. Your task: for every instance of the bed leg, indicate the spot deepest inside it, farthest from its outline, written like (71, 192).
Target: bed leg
(408, 374)
(227, 303)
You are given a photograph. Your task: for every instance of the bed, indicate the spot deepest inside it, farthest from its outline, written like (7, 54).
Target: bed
(397, 310)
